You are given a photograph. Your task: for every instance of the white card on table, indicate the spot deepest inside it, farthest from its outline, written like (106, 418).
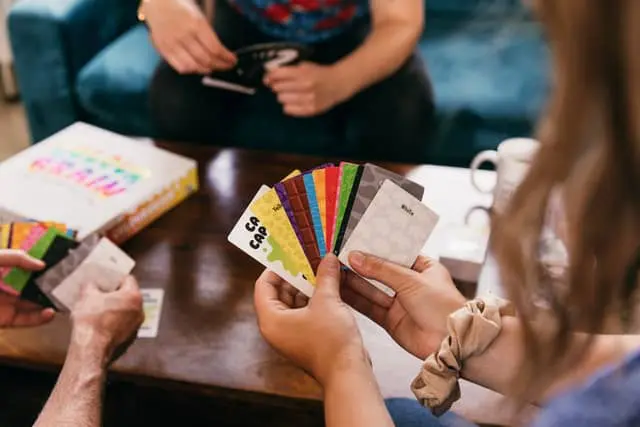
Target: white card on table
(250, 236)
(106, 266)
(152, 306)
(394, 227)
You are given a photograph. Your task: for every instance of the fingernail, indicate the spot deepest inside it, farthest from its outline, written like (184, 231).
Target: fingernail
(48, 313)
(356, 259)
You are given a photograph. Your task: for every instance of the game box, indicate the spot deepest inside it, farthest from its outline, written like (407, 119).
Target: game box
(94, 181)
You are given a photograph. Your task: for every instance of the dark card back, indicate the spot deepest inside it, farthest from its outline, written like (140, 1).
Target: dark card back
(347, 212)
(58, 250)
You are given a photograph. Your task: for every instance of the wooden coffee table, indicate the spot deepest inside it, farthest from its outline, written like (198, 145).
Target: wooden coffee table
(208, 338)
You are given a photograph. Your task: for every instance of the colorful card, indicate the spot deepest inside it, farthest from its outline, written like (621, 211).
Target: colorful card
(312, 200)
(106, 267)
(395, 227)
(296, 195)
(13, 235)
(36, 232)
(152, 307)
(286, 205)
(372, 178)
(319, 183)
(5, 232)
(269, 210)
(57, 251)
(17, 278)
(331, 176)
(255, 239)
(345, 208)
(347, 177)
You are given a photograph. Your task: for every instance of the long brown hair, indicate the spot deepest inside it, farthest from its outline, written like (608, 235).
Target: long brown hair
(590, 152)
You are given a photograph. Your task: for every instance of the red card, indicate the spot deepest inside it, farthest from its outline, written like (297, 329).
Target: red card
(331, 176)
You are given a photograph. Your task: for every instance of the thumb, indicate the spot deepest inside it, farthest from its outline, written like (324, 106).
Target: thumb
(328, 277)
(89, 288)
(129, 284)
(20, 259)
(395, 276)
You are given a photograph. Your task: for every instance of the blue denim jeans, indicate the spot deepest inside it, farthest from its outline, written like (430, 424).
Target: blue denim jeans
(409, 413)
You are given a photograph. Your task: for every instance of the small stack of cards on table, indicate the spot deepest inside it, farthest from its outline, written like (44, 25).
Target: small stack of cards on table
(292, 225)
(69, 263)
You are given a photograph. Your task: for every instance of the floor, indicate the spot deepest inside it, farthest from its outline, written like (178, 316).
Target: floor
(14, 134)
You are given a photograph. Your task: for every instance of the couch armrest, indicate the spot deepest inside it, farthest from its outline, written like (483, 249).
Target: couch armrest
(51, 41)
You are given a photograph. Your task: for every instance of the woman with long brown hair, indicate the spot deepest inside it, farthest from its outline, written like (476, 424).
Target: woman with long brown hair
(550, 344)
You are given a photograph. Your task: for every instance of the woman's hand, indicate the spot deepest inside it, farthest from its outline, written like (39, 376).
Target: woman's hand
(416, 318)
(184, 38)
(321, 337)
(15, 312)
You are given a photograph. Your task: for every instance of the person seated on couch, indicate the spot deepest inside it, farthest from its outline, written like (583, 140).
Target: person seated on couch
(102, 325)
(552, 343)
(364, 70)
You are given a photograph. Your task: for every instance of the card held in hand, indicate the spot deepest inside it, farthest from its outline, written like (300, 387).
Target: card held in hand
(395, 227)
(256, 240)
(372, 178)
(296, 194)
(106, 267)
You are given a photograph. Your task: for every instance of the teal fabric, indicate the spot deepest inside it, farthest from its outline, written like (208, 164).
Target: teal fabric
(487, 59)
(113, 87)
(51, 41)
(490, 80)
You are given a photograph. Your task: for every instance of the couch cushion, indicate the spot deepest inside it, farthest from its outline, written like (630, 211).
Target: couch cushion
(494, 74)
(113, 87)
(477, 7)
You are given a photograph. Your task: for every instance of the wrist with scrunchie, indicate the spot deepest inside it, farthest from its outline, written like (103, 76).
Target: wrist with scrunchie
(471, 329)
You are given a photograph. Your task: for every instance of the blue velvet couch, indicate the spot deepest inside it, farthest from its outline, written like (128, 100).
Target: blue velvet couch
(90, 60)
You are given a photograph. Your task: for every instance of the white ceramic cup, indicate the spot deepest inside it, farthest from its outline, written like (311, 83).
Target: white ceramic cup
(512, 160)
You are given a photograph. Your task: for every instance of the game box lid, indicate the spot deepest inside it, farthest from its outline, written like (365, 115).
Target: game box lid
(87, 178)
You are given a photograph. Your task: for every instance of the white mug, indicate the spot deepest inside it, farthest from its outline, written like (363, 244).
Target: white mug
(512, 160)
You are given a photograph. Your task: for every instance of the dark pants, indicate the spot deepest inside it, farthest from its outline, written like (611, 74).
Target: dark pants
(390, 120)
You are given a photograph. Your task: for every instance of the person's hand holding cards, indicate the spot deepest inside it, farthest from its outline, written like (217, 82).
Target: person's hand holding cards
(253, 64)
(306, 89)
(104, 321)
(15, 312)
(347, 208)
(181, 34)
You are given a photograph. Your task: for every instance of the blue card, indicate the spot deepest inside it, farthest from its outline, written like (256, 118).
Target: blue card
(315, 213)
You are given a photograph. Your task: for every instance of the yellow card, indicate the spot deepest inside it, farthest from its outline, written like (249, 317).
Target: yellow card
(321, 197)
(269, 211)
(291, 175)
(5, 230)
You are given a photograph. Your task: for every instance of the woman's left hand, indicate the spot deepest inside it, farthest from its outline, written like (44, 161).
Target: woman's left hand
(320, 336)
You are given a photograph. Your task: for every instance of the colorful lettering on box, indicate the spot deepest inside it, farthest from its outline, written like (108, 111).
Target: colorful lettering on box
(100, 172)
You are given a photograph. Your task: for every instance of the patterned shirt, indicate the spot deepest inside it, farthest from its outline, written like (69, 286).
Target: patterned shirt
(303, 21)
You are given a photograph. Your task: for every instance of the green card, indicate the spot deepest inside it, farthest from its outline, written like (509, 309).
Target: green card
(348, 173)
(18, 278)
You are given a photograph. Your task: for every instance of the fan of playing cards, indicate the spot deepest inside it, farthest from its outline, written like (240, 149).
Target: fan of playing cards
(290, 226)
(69, 264)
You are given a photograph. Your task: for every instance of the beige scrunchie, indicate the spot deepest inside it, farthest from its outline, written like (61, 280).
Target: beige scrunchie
(472, 329)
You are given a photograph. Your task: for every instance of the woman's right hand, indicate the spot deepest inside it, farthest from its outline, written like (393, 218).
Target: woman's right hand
(416, 318)
(181, 34)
